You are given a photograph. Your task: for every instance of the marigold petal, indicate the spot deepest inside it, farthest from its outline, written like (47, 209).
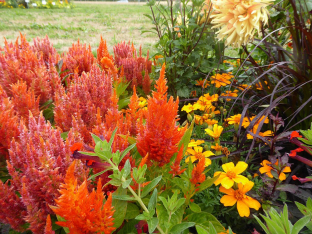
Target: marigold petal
(252, 203)
(227, 182)
(282, 176)
(207, 162)
(286, 169)
(240, 167)
(265, 169)
(248, 186)
(208, 153)
(230, 191)
(243, 209)
(228, 200)
(228, 166)
(240, 179)
(221, 177)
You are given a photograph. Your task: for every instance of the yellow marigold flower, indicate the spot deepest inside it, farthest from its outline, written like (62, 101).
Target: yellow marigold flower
(202, 83)
(230, 94)
(194, 143)
(221, 80)
(238, 20)
(262, 134)
(142, 102)
(212, 98)
(235, 119)
(198, 120)
(197, 153)
(202, 104)
(231, 174)
(215, 132)
(189, 108)
(267, 168)
(244, 202)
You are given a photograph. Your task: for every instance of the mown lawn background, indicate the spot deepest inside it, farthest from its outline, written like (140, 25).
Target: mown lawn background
(116, 22)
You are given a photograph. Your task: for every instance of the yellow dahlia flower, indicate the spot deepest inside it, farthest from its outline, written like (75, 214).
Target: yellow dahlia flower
(239, 19)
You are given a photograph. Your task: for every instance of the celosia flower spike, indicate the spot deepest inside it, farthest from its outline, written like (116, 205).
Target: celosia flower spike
(175, 168)
(48, 227)
(197, 174)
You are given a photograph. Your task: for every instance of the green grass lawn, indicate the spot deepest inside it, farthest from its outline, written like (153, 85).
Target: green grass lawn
(116, 22)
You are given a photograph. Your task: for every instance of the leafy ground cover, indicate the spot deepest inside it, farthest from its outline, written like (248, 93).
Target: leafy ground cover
(116, 22)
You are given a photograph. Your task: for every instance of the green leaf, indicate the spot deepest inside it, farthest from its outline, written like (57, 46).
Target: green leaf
(301, 223)
(207, 183)
(120, 207)
(152, 202)
(262, 225)
(131, 140)
(88, 153)
(96, 138)
(178, 204)
(98, 174)
(126, 183)
(141, 217)
(212, 230)
(195, 208)
(152, 224)
(163, 216)
(126, 169)
(123, 197)
(186, 137)
(204, 218)
(201, 230)
(123, 103)
(150, 186)
(126, 151)
(64, 135)
(178, 228)
(129, 227)
(132, 211)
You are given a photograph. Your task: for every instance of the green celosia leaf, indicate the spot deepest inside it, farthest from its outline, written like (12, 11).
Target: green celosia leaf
(120, 207)
(126, 183)
(152, 224)
(96, 138)
(132, 211)
(152, 202)
(126, 151)
(150, 186)
(195, 208)
(112, 137)
(126, 170)
(178, 228)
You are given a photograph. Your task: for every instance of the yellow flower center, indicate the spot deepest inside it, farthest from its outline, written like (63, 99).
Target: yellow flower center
(231, 174)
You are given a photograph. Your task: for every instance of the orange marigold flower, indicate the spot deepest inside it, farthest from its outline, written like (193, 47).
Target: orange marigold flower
(229, 94)
(212, 98)
(84, 212)
(244, 202)
(221, 79)
(159, 136)
(202, 83)
(267, 167)
(294, 134)
(216, 147)
(235, 119)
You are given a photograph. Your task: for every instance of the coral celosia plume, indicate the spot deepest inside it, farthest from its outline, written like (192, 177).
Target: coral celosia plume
(20, 62)
(159, 136)
(37, 165)
(84, 212)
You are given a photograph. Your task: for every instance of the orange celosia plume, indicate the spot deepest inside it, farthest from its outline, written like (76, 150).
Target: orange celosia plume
(159, 136)
(84, 212)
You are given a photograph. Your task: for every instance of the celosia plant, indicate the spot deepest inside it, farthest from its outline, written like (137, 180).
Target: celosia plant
(37, 165)
(159, 135)
(83, 211)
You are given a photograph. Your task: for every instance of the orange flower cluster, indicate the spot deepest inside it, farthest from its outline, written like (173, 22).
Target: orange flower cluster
(78, 59)
(84, 212)
(49, 53)
(20, 61)
(159, 136)
(37, 166)
(136, 68)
